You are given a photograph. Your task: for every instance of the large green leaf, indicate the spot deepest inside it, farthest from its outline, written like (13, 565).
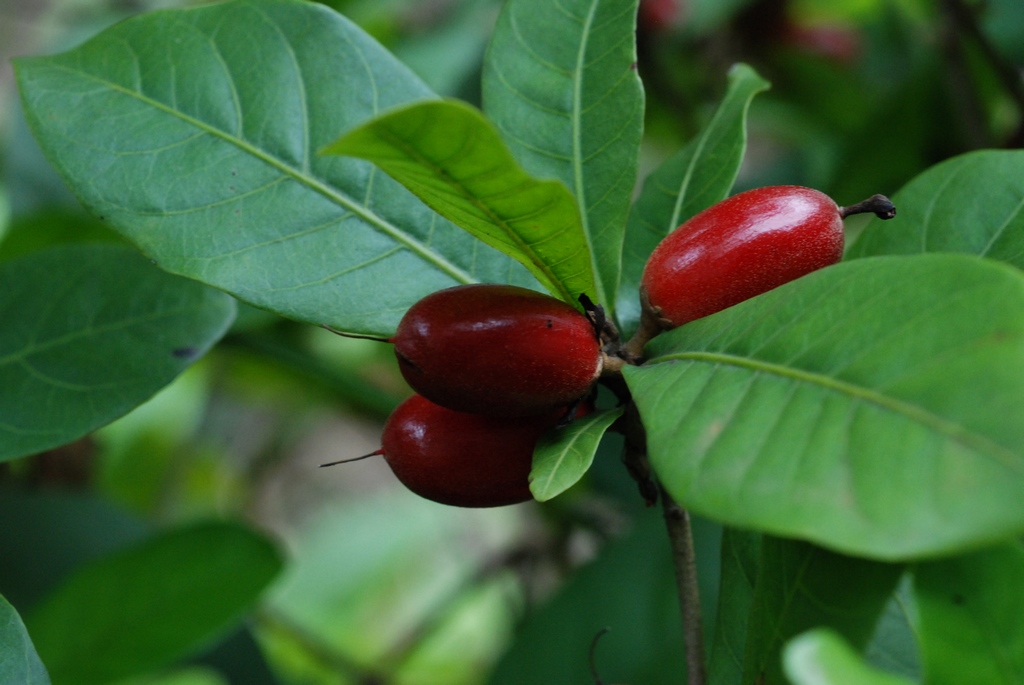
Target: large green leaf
(453, 159)
(563, 456)
(821, 657)
(800, 586)
(146, 606)
(19, 662)
(696, 177)
(560, 82)
(89, 333)
(871, 406)
(970, 610)
(973, 203)
(195, 133)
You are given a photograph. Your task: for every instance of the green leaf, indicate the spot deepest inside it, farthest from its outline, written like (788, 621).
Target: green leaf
(146, 606)
(894, 648)
(696, 177)
(973, 203)
(821, 657)
(560, 83)
(741, 553)
(634, 579)
(454, 160)
(870, 406)
(89, 333)
(562, 457)
(19, 663)
(195, 134)
(47, 533)
(970, 610)
(800, 586)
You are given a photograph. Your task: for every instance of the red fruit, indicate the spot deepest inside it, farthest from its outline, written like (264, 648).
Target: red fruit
(746, 245)
(840, 42)
(460, 459)
(658, 15)
(497, 350)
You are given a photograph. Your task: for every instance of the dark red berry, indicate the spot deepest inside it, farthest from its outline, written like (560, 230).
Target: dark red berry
(658, 15)
(497, 350)
(464, 460)
(746, 245)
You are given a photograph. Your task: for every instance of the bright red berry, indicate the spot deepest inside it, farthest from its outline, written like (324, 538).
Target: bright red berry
(497, 350)
(464, 460)
(746, 245)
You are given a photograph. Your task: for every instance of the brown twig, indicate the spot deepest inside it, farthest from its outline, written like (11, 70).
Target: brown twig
(651, 324)
(634, 455)
(680, 534)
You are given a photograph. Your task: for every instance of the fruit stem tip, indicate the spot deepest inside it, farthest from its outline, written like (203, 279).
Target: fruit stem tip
(879, 205)
(375, 453)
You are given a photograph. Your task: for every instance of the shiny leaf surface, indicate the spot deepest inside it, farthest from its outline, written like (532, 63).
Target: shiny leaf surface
(863, 407)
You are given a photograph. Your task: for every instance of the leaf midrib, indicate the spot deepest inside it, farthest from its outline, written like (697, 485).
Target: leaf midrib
(34, 348)
(576, 119)
(953, 431)
(310, 182)
(544, 486)
(499, 222)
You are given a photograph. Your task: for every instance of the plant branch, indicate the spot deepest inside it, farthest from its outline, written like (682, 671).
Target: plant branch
(680, 534)
(965, 20)
(651, 324)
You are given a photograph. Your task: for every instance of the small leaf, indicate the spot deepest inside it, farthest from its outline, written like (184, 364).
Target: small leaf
(560, 83)
(146, 606)
(821, 657)
(970, 610)
(696, 177)
(894, 647)
(91, 332)
(19, 663)
(973, 204)
(870, 406)
(454, 160)
(800, 586)
(194, 133)
(563, 456)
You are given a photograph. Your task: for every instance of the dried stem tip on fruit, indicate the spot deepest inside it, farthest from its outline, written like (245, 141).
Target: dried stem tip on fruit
(879, 205)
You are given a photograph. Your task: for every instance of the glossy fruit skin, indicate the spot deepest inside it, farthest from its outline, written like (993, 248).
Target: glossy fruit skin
(741, 247)
(497, 350)
(461, 459)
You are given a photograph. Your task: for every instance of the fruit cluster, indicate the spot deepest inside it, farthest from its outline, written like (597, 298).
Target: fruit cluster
(495, 366)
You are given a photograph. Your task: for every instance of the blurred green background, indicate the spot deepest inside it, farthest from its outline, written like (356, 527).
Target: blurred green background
(381, 586)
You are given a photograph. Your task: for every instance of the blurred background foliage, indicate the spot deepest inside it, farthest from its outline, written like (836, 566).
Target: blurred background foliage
(381, 586)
